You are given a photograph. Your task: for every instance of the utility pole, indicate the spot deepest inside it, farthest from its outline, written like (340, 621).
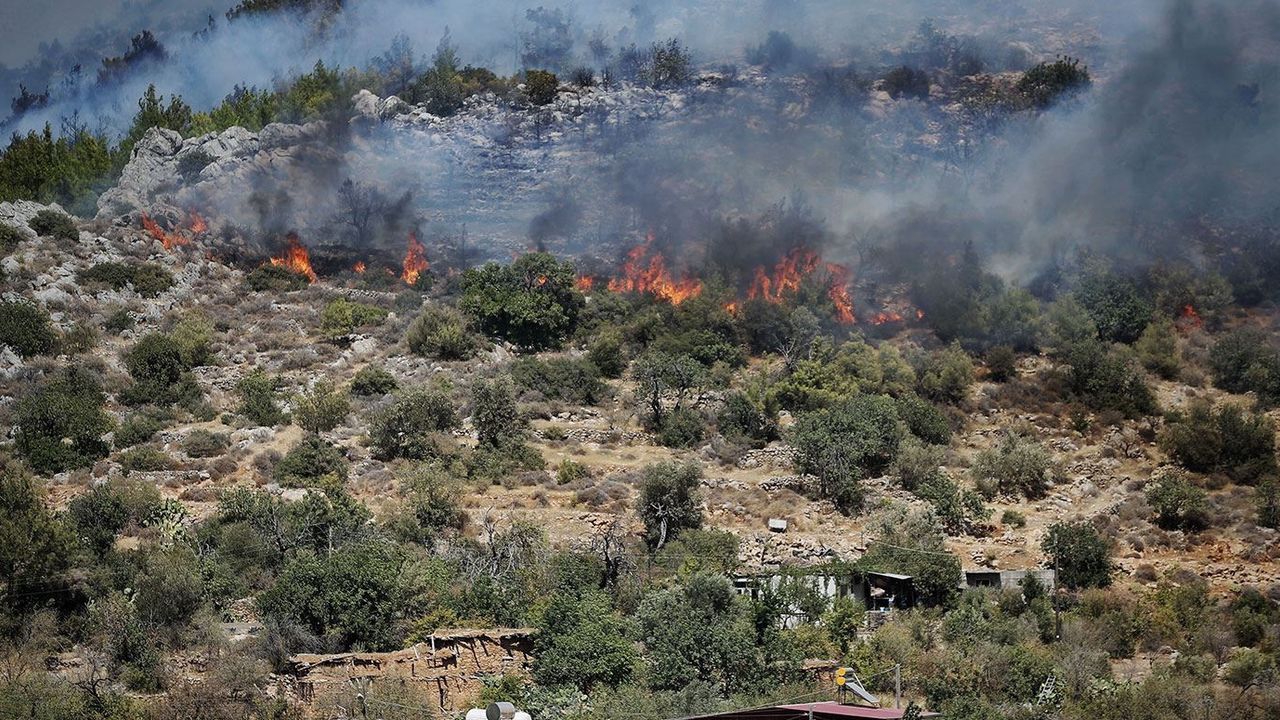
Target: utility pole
(897, 686)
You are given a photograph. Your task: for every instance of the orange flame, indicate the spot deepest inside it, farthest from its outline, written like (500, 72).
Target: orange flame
(359, 267)
(415, 260)
(295, 257)
(196, 223)
(731, 308)
(790, 272)
(167, 239)
(886, 316)
(585, 283)
(645, 273)
(1192, 317)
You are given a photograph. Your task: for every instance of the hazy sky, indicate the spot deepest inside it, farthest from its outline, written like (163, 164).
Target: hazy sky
(24, 24)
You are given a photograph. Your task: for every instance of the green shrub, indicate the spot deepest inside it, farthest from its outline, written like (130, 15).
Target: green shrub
(906, 82)
(1222, 439)
(203, 443)
(1018, 465)
(1246, 361)
(314, 462)
(494, 414)
(1178, 504)
(136, 429)
(119, 321)
(25, 328)
(1267, 500)
(321, 407)
(570, 380)
(1002, 363)
(342, 317)
(1082, 557)
(373, 380)
(412, 425)
(924, 419)
(959, 510)
(605, 352)
(51, 223)
(743, 420)
(161, 375)
(945, 376)
(275, 278)
(569, 471)
(541, 86)
(1013, 518)
(918, 464)
(258, 392)
(441, 332)
(682, 428)
(10, 236)
(60, 426)
(145, 458)
(1043, 84)
(1157, 349)
(147, 279)
(843, 444)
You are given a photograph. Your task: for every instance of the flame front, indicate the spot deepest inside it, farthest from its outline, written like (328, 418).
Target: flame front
(415, 260)
(585, 283)
(1191, 317)
(295, 257)
(167, 239)
(647, 273)
(359, 267)
(790, 272)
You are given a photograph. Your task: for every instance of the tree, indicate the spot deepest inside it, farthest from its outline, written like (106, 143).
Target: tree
(160, 371)
(257, 392)
(699, 630)
(440, 87)
(1157, 349)
(433, 504)
(532, 302)
(583, 643)
(1245, 361)
(541, 86)
(1045, 83)
(1017, 465)
(659, 375)
(408, 428)
(913, 542)
(34, 546)
(494, 413)
(1178, 504)
(945, 376)
(1221, 439)
(669, 501)
(1080, 555)
(25, 328)
(314, 462)
(441, 332)
(321, 407)
(60, 425)
(843, 444)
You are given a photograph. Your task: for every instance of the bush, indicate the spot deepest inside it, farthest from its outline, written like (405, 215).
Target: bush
(570, 380)
(1082, 557)
(744, 420)
(669, 501)
(907, 82)
(1018, 465)
(51, 223)
(137, 429)
(119, 321)
(541, 86)
(945, 376)
(494, 413)
(161, 374)
(1013, 518)
(441, 333)
(918, 464)
(844, 444)
(258, 392)
(532, 303)
(1178, 504)
(409, 427)
(924, 419)
(1246, 361)
(313, 462)
(1119, 310)
(1043, 84)
(145, 458)
(373, 380)
(342, 317)
(605, 352)
(275, 278)
(202, 443)
(1002, 363)
(10, 236)
(682, 428)
(147, 279)
(25, 329)
(1223, 439)
(1267, 500)
(60, 425)
(1157, 349)
(321, 407)
(433, 505)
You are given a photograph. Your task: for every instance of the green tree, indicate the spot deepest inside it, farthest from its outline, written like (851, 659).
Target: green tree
(1221, 439)
(1081, 556)
(945, 376)
(494, 413)
(532, 302)
(669, 501)
(1017, 465)
(1245, 361)
(844, 444)
(1157, 349)
(913, 542)
(321, 407)
(1178, 504)
(160, 371)
(60, 425)
(35, 548)
(410, 427)
(373, 380)
(582, 642)
(540, 86)
(699, 630)
(314, 462)
(1045, 83)
(258, 392)
(25, 328)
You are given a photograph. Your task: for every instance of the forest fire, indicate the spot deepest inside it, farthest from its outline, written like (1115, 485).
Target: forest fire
(647, 273)
(295, 257)
(585, 283)
(415, 260)
(359, 267)
(1190, 317)
(196, 225)
(791, 271)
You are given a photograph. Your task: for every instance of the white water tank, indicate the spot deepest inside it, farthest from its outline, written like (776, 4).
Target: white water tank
(477, 714)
